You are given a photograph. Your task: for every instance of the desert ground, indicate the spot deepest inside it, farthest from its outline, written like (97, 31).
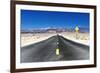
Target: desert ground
(31, 38)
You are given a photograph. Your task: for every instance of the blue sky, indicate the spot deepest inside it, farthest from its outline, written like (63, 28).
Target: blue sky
(32, 19)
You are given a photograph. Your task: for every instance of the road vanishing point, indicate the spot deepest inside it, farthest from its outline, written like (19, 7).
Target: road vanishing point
(45, 51)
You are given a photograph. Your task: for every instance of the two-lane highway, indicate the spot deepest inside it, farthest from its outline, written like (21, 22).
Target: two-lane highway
(45, 51)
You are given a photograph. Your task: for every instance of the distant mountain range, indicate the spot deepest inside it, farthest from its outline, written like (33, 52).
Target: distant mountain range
(55, 30)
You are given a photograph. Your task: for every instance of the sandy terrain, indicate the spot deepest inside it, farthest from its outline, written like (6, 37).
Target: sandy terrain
(82, 38)
(27, 39)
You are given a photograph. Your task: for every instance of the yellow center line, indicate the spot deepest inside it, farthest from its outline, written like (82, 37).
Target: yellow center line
(57, 51)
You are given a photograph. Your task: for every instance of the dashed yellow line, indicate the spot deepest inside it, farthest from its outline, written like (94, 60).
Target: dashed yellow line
(57, 51)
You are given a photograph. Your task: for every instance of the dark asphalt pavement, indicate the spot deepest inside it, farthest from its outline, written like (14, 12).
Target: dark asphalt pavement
(45, 51)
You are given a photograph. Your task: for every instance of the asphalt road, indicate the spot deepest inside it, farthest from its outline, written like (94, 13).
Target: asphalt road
(45, 51)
